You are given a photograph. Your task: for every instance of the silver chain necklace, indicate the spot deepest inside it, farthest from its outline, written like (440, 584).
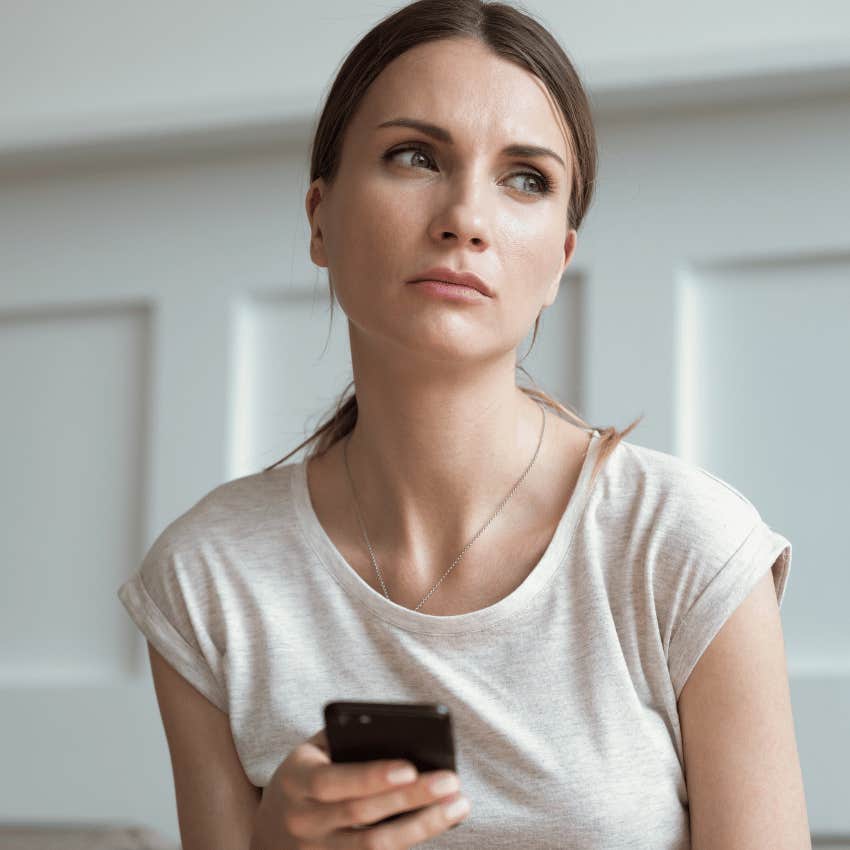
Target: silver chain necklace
(463, 551)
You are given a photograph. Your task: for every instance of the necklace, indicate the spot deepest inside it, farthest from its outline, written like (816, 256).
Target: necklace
(463, 551)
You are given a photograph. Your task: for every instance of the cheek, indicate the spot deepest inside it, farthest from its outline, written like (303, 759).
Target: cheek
(377, 238)
(365, 213)
(531, 257)
(382, 232)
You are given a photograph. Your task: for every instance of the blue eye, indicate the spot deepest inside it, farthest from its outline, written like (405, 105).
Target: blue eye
(545, 184)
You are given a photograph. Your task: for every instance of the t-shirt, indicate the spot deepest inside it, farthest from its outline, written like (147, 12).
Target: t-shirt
(563, 694)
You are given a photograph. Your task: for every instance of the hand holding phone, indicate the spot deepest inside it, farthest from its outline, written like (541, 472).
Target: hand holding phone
(312, 800)
(419, 733)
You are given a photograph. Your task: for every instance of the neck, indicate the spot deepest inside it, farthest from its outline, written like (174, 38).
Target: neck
(426, 482)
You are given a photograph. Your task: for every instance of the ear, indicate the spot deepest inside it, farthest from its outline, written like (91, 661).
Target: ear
(569, 249)
(312, 204)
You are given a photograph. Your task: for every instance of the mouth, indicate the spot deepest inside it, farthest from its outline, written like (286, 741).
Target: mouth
(443, 274)
(452, 291)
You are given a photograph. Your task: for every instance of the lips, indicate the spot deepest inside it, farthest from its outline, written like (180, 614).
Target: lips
(459, 278)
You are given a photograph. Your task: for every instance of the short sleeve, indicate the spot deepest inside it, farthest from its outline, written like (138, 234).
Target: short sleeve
(719, 591)
(169, 600)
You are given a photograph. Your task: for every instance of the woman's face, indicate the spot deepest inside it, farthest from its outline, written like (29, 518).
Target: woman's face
(392, 213)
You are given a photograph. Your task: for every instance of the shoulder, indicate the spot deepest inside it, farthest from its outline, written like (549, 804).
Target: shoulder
(198, 563)
(233, 510)
(700, 543)
(687, 505)
(222, 534)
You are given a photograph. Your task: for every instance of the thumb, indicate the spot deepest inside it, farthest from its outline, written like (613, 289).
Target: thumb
(320, 739)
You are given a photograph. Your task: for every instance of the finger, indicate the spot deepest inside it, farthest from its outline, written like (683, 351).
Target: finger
(323, 794)
(406, 830)
(337, 781)
(358, 812)
(312, 775)
(292, 777)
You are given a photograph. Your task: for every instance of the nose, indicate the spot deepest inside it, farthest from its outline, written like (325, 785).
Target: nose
(461, 215)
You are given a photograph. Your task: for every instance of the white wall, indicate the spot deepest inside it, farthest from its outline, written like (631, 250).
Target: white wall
(95, 66)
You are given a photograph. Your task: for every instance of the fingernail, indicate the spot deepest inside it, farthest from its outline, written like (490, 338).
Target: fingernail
(398, 775)
(445, 785)
(457, 807)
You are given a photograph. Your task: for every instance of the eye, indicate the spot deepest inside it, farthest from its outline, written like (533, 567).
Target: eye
(416, 149)
(542, 181)
(545, 184)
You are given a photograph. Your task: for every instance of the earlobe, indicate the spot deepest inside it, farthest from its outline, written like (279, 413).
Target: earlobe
(317, 249)
(552, 294)
(316, 254)
(569, 250)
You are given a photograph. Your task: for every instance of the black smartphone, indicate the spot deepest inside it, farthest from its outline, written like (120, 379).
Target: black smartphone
(420, 733)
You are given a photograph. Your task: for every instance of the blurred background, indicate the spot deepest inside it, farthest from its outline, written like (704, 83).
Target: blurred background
(163, 330)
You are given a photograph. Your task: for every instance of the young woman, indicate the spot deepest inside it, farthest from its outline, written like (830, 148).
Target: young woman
(602, 619)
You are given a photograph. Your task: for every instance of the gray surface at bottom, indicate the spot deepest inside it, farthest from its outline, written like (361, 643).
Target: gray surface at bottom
(64, 837)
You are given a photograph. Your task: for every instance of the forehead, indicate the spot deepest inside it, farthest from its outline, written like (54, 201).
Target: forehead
(460, 84)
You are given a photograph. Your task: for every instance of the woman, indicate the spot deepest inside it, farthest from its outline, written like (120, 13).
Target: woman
(449, 539)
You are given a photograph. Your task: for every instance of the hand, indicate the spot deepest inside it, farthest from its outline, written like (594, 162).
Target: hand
(312, 802)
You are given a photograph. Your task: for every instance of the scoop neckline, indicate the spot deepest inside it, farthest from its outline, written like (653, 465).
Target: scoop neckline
(366, 597)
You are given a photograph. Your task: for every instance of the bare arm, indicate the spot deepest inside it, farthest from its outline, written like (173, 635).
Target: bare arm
(742, 768)
(216, 802)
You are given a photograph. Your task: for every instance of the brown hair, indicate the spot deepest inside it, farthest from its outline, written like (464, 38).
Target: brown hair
(510, 34)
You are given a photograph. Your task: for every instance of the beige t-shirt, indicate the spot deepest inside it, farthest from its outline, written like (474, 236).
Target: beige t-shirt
(563, 694)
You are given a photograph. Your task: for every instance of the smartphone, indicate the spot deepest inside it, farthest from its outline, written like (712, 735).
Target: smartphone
(420, 733)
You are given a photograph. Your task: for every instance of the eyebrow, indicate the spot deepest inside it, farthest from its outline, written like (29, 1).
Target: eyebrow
(443, 135)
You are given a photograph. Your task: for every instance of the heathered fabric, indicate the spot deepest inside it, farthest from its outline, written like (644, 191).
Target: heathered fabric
(563, 694)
